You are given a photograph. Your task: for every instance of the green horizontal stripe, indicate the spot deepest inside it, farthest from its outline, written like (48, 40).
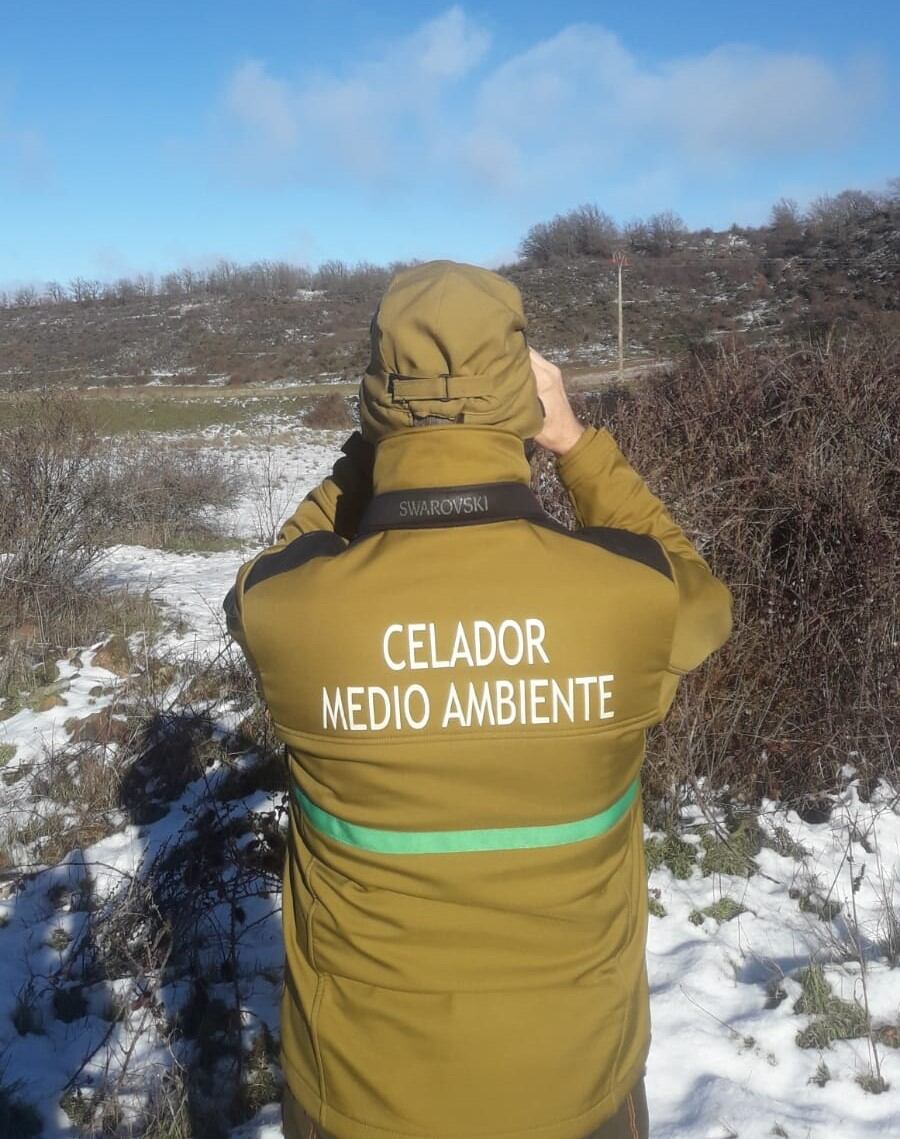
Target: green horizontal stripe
(459, 842)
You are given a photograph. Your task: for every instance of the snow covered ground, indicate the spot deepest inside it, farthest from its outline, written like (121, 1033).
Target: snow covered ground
(724, 1063)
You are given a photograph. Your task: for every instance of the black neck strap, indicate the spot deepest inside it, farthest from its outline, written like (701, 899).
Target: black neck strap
(449, 506)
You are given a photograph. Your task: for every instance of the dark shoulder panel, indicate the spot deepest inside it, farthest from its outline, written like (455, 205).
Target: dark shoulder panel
(316, 544)
(639, 547)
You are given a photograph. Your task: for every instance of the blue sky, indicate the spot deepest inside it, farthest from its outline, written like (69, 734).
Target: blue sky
(139, 137)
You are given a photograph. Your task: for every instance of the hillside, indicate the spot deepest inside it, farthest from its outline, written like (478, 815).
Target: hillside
(270, 323)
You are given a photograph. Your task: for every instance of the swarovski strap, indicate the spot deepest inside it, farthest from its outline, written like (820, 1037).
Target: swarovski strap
(497, 502)
(450, 506)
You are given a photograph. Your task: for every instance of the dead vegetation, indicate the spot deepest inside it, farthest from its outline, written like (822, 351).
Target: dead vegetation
(162, 949)
(271, 321)
(66, 493)
(782, 465)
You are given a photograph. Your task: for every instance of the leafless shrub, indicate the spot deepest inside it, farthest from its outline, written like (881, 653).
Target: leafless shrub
(50, 511)
(583, 232)
(340, 279)
(272, 494)
(781, 463)
(158, 495)
(65, 494)
(329, 411)
(830, 212)
(658, 235)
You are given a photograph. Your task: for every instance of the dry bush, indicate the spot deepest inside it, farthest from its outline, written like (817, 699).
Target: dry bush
(781, 464)
(339, 279)
(51, 511)
(165, 495)
(329, 411)
(583, 232)
(65, 494)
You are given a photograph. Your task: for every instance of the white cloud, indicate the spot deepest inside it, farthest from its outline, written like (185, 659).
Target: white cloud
(578, 103)
(583, 99)
(25, 160)
(444, 48)
(262, 103)
(357, 122)
(739, 99)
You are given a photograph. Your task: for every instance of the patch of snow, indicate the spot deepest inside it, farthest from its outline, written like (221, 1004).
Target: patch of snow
(721, 1063)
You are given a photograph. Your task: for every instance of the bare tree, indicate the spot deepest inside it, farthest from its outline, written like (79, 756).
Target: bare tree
(836, 212)
(145, 285)
(586, 231)
(666, 229)
(26, 296)
(658, 234)
(170, 285)
(85, 291)
(123, 290)
(637, 234)
(785, 214)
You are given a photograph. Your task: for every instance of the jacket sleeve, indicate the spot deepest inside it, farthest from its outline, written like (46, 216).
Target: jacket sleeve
(336, 504)
(606, 491)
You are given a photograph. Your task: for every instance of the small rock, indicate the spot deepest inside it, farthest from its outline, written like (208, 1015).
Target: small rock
(51, 700)
(101, 727)
(114, 656)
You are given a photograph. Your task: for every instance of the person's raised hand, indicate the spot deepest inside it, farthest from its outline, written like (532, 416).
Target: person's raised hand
(561, 430)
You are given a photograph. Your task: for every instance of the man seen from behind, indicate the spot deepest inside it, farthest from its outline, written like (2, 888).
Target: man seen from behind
(463, 687)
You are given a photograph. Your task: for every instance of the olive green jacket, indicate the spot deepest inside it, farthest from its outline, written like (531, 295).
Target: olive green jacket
(464, 688)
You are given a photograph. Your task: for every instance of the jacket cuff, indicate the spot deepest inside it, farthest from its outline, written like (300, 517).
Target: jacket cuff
(587, 459)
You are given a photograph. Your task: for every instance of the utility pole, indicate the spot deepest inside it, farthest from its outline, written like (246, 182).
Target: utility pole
(619, 259)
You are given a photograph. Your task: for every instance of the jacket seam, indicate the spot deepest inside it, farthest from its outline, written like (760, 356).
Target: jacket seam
(317, 1047)
(632, 913)
(313, 867)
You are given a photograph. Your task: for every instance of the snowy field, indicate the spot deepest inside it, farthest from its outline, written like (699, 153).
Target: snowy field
(725, 1061)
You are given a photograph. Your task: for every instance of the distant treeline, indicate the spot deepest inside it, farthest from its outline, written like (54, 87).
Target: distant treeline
(586, 231)
(589, 232)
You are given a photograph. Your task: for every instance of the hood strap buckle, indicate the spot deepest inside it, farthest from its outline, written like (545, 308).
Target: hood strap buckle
(441, 387)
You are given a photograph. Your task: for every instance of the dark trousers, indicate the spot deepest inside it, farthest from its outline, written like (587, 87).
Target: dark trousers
(631, 1121)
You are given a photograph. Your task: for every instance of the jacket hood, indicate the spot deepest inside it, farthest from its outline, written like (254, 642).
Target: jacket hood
(448, 340)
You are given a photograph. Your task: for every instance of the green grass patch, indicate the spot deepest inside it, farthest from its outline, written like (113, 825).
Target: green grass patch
(7, 751)
(821, 1076)
(725, 909)
(871, 1082)
(59, 939)
(193, 412)
(655, 906)
(78, 1107)
(812, 898)
(782, 843)
(734, 853)
(671, 851)
(202, 543)
(261, 1086)
(833, 1017)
